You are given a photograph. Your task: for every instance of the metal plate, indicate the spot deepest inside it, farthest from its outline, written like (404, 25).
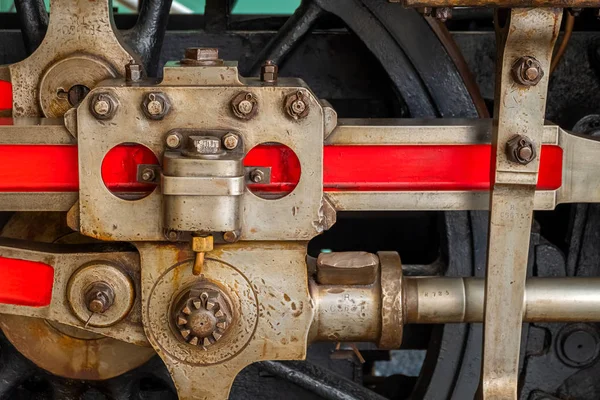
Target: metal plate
(298, 215)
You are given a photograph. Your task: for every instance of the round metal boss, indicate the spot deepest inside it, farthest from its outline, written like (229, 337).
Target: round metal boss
(88, 278)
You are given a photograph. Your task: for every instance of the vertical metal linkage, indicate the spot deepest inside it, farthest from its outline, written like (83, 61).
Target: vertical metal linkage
(525, 44)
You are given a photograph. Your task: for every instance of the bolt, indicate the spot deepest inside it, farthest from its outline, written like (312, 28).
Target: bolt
(244, 105)
(99, 297)
(257, 176)
(155, 105)
(520, 149)
(202, 315)
(231, 141)
(173, 140)
(296, 105)
(148, 175)
(172, 235)
(231, 236)
(268, 72)
(103, 106)
(133, 72)
(527, 71)
(201, 56)
(578, 345)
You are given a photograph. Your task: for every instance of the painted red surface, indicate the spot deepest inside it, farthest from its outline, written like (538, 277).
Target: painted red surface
(25, 283)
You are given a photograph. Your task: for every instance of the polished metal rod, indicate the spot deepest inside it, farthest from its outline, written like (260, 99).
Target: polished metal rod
(442, 300)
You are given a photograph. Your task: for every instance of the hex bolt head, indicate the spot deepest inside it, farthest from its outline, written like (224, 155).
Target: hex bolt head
(231, 236)
(156, 105)
(520, 149)
(133, 72)
(148, 175)
(172, 235)
(244, 105)
(269, 72)
(443, 13)
(296, 106)
(173, 140)
(231, 141)
(201, 56)
(99, 297)
(257, 176)
(103, 106)
(527, 71)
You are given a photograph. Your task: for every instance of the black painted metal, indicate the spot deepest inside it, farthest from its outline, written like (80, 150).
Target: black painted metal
(34, 20)
(146, 37)
(288, 37)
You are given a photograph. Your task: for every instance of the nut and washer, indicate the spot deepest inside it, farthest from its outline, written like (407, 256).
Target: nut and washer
(527, 71)
(100, 297)
(231, 141)
(257, 176)
(269, 72)
(156, 105)
(296, 105)
(201, 56)
(520, 149)
(231, 236)
(148, 175)
(244, 105)
(103, 106)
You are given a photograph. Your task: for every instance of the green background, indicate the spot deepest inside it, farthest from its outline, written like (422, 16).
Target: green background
(271, 7)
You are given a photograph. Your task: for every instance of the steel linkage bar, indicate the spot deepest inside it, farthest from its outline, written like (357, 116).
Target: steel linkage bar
(525, 47)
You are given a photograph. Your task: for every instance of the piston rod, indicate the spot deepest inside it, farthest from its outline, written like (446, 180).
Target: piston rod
(453, 300)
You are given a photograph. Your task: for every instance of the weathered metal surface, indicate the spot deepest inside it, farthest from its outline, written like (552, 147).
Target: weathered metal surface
(75, 26)
(519, 109)
(272, 310)
(299, 215)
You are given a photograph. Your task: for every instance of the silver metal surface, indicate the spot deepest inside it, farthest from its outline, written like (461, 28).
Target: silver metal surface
(518, 110)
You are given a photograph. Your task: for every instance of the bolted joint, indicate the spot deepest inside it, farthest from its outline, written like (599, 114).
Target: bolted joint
(257, 176)
(269, 72)
(201, 56)
(202, 315)
(156, 105)
(231, 141)
(244, 105)
(296, 105)
(527, 71)
(103, 106)
(133, 72)
(520, 149)
(99, 297)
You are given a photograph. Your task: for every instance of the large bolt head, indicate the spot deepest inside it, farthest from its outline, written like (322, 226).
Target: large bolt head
(133, 72)
(99, 297)
(201, 56)
(156, 105)
(244, 105)
(296, 106)
(231, 141)
(202, 315)
(520, 149)
(103, 106)
(527, 71)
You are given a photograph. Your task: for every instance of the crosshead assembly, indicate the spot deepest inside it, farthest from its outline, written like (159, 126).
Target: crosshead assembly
(195, 197)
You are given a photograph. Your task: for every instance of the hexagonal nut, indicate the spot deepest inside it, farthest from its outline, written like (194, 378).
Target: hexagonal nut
(231, 141)
(527, 71)
(347, 268)
(244, 105)
(520, 149)
(201, 56)
(202, 244)
(103, 105)
(156, 105)
(296, 105)
(133, 72)
(269, 72)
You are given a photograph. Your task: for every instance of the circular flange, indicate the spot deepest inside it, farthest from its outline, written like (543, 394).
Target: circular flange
(65, 81)
(101, 272)
(578, 345)
(70, 352)
(162, 303)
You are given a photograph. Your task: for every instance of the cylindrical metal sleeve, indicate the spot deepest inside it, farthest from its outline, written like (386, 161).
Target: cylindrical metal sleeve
(346, 313)
(453, 300)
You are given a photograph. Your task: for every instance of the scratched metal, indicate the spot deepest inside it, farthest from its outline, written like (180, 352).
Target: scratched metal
(518, 110)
